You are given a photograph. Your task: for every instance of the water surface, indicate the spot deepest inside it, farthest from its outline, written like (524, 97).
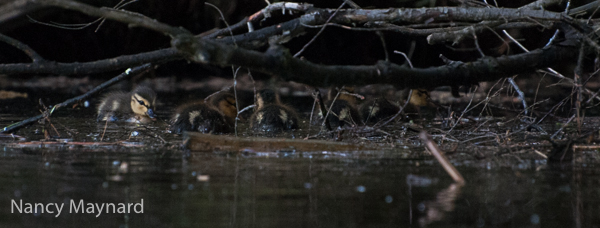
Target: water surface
(179, 188)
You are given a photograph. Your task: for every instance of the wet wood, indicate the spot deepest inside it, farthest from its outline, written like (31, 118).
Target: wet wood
(441, 158)
(206, 142)
(56, 144)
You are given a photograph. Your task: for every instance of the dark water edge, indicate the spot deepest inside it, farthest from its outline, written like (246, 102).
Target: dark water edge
(320, 189)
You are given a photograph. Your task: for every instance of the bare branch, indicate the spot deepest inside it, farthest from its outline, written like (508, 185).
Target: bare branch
(421, 15)
(260, 15)
(105, 65)
(585, 9)
(279, 62)
(460, 33)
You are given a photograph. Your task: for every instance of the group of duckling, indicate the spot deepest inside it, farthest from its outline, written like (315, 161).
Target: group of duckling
(217, 113)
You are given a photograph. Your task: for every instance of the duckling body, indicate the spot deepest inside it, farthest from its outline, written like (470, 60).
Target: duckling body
(271, 115)
(378, 109)
(343, 112)
(135, 106)
(215, 116)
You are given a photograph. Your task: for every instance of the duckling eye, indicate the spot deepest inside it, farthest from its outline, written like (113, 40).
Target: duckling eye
(141, 103)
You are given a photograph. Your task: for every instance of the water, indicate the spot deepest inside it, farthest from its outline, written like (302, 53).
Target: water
(285, 189)
(299, 190)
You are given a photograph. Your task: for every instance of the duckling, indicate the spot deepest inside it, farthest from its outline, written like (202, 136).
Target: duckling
(378, 109)
(271, 115)
(216, 115)
(343, 112)
(135, 106)
(418, 98)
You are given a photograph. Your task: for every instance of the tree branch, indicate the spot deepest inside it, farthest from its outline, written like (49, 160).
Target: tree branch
(277, 61)
(105, 65)
(422, 15)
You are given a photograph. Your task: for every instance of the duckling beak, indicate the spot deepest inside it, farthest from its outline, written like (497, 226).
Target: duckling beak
(151, 114)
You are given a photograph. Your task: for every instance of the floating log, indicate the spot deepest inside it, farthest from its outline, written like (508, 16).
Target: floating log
(195, 141)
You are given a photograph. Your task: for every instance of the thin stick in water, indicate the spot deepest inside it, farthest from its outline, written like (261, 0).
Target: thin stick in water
(439, 156)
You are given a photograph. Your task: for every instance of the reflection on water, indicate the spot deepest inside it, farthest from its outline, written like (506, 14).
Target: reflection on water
(279, 189)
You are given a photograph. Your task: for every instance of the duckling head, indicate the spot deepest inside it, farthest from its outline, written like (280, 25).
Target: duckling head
(419, 97)
(265, 97)
(225, 102)
(142, 102)
(344, 94)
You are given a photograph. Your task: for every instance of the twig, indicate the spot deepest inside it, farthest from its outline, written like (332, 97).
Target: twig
(117, 15)
(520, 93)
(476, 41)
(398, 113)
(46, 114)
(124, 75)
(237, 106)
(563, 126)
(65, 26)
(312, 112)
(323, 109)
(104, 130)
(463, 112)
(329, 109)
(578, 86)
(320, 31)
(439, 156)
(225, 21)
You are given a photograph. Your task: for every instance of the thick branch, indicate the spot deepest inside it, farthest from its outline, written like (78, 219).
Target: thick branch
(99, 66)
(422, 15)
(260, 38)
(279, 62)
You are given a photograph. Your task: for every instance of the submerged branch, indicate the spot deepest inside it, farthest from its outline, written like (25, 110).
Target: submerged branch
(441, 158)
